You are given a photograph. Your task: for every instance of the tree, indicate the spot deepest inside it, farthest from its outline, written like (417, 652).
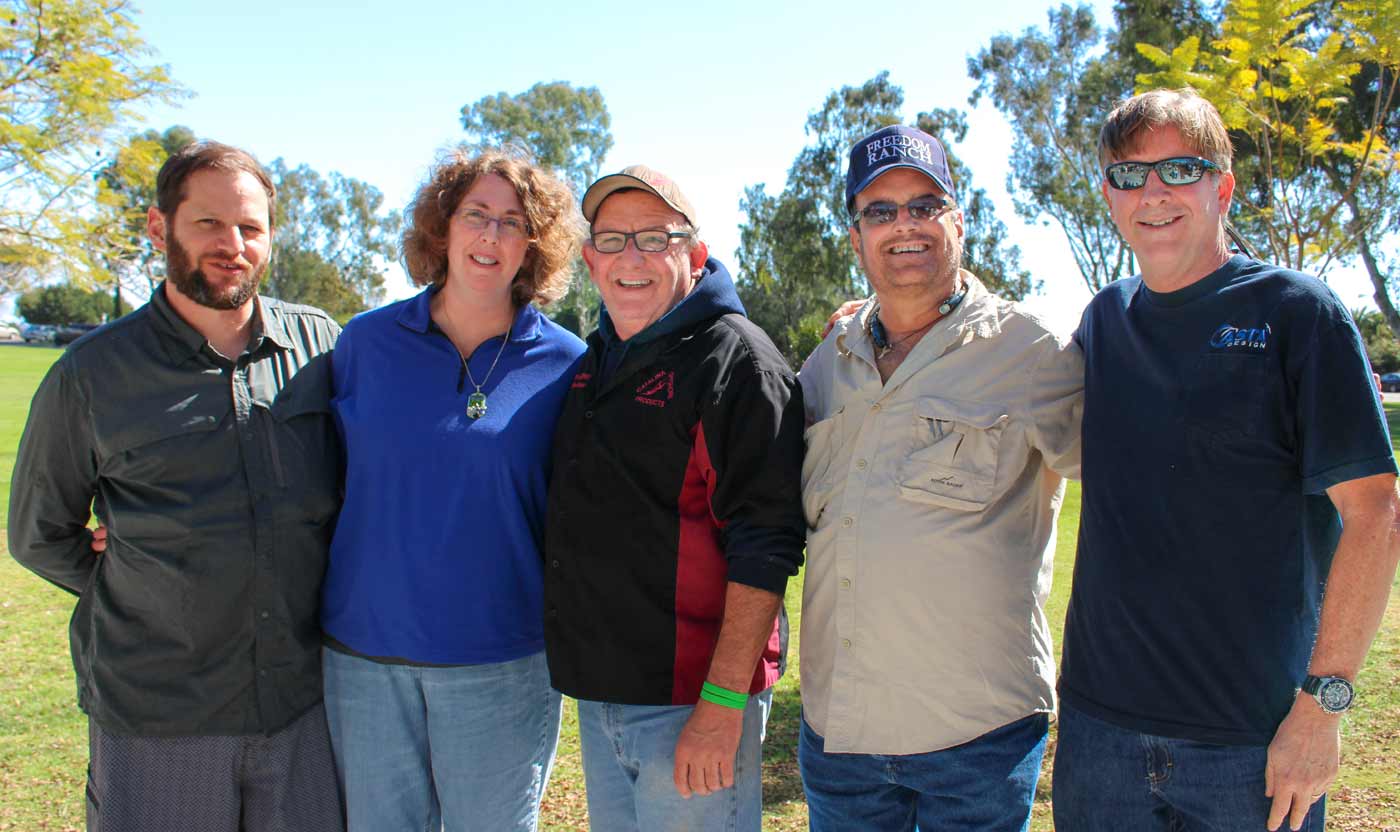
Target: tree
(70, 73)
(1308, 90)
(305, 277)
(126, 188)
(1382, 349)
(331, 243)
(67, 304)
(985, 252)
(566, 128)
(795, 257)
(1055, 89)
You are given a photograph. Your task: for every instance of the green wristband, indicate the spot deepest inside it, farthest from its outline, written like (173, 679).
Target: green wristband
(723, 696)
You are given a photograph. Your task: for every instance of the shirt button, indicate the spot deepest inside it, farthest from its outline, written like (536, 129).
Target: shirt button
(845, 583)
(860, 463)
(875, 406)
(848, 521)
(264, 615)
(845, 642)
(262, 673)
(588, 414)
(554, 563)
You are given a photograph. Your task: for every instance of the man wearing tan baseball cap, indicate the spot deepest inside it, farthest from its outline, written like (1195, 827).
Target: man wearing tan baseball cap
(674, 522)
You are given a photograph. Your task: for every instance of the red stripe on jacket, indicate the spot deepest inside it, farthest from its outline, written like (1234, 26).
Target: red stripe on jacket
(701, 583)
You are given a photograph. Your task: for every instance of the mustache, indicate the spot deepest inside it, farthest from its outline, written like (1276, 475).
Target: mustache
(236, 261)
(911, 240)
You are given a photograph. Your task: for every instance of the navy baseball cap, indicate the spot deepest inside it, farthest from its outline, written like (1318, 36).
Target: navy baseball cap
(893, 147)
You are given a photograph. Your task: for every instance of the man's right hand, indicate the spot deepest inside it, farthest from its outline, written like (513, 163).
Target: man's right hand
(705, 752)
(846, 310)
(99, 540)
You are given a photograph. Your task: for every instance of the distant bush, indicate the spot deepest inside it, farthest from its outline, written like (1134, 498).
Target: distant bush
(1381, 347)
(66, 304)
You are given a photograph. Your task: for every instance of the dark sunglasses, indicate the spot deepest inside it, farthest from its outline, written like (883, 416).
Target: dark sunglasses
(1179, 170)
(922, 208)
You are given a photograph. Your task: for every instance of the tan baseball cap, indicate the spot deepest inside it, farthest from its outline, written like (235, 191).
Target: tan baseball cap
(637, 176)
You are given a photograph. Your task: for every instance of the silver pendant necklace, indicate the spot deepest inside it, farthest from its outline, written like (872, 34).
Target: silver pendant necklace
(476, 402)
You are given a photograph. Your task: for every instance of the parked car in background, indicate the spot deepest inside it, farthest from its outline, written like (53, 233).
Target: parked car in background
(9, 332)
(68, 333)
(1390, 383)
(38, 333)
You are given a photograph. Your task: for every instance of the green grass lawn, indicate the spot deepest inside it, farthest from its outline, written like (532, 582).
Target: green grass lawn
(43, 747)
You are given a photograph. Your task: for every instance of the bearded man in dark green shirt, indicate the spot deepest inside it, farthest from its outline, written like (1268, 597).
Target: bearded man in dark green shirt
(197, 430)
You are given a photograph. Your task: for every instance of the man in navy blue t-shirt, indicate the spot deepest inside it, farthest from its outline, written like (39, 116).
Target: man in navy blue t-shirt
(1236, 464)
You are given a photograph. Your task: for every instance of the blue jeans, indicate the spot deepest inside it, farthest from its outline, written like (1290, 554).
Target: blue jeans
(462, 747)
(1111, 778)
(628, 764)
(986, 784)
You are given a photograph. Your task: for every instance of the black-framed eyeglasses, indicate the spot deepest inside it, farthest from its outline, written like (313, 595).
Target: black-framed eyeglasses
(506, 226)
(1178, 170)
(923, 209)
(653, 241)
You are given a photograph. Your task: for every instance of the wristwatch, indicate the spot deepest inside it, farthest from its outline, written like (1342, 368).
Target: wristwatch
(1333, 693)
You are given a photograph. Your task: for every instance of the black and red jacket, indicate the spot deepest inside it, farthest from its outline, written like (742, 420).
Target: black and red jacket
(677, 468)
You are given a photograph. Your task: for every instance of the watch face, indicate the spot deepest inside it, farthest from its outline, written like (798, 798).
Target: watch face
(1335, 695)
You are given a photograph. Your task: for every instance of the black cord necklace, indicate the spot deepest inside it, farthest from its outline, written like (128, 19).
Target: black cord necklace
(884, 346)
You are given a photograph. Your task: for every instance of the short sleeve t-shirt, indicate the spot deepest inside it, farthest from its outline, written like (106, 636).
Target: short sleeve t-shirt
(1215, 418)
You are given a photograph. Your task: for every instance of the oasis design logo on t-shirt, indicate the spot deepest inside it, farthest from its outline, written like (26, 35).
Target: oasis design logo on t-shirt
(1231, 337)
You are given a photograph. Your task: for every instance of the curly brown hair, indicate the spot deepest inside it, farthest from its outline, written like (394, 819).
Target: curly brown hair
(555, 228)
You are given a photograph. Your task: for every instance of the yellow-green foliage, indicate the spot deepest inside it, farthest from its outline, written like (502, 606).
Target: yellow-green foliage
(71, 73)
(1281, 76)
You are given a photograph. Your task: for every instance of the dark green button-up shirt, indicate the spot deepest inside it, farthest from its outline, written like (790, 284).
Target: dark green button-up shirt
(217, 481)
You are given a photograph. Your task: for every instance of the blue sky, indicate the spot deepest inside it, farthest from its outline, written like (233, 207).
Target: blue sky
(715, 95)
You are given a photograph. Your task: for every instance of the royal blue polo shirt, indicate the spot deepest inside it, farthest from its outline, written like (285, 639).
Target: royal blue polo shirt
(437, 553)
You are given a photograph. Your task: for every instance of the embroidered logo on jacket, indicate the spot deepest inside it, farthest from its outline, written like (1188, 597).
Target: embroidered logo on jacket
(658, 389)
(581, 380)
(1229, 336)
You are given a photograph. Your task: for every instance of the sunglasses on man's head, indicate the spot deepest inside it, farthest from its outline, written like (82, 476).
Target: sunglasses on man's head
(1180, 170)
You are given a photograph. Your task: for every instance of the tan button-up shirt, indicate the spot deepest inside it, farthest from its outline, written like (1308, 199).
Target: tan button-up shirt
(931, 503)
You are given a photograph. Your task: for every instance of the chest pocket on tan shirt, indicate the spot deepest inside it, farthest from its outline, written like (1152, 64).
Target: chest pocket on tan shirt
(823, 441)
(954, 459)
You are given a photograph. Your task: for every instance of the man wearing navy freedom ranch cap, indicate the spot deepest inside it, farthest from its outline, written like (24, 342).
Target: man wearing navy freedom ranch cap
(942, 420)
(897, 146)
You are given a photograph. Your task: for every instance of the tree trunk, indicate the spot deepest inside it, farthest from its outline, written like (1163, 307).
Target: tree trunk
(1381, 283)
